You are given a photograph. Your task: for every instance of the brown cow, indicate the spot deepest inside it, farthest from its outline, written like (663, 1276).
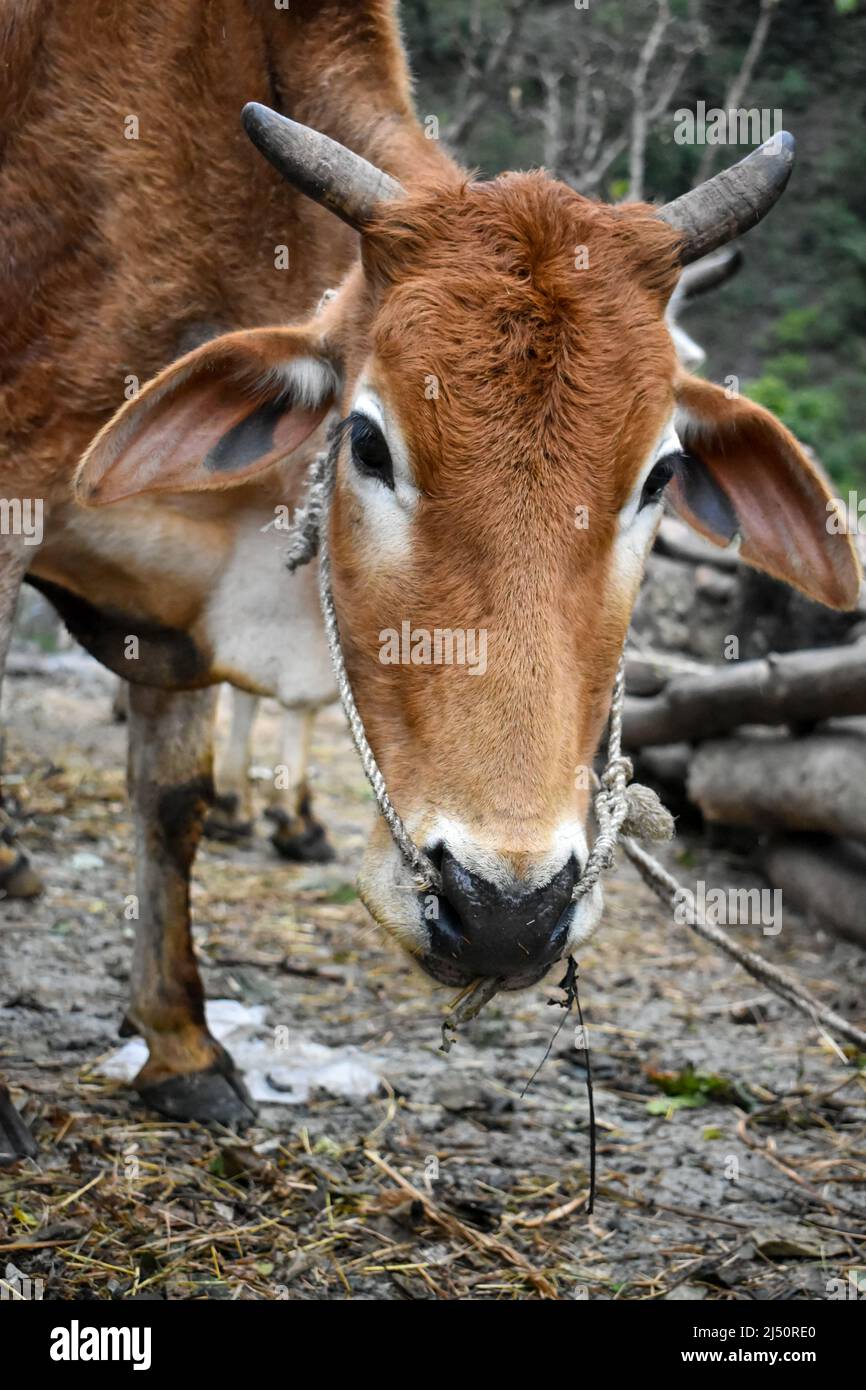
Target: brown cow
(296, 835)
(500, 359)
(136, 220)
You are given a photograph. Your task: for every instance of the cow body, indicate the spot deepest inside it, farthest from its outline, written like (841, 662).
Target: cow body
(136, 222)
(119, 254)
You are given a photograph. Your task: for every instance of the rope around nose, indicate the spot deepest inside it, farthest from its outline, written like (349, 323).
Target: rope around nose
(625, 810)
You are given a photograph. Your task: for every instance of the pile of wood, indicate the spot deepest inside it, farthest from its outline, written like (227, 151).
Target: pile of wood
(771, 750)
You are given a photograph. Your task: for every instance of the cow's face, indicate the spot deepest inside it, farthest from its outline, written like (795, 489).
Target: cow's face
(512, 413)
(508, 436)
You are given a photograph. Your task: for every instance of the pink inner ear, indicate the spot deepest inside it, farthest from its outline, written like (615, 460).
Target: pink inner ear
(294, 426)
(172, 438)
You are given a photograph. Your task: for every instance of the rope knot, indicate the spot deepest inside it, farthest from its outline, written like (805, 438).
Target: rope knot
(645, 817)
(617, 771)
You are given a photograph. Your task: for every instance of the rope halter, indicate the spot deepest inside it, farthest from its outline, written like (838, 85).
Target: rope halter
(622, 807)
(624, 810)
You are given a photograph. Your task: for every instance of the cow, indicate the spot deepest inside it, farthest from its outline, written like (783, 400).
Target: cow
(137, 222)
(297, 835)
(706, 274)
(498, 378)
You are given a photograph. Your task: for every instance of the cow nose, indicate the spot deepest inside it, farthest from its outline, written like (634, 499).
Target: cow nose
(484, 929)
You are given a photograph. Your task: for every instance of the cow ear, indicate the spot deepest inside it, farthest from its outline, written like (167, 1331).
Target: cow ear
(229, 410)
(747, 479)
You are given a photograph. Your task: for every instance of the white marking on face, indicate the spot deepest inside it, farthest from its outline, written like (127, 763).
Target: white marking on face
(391, 896)
(638, 525)
(490, 864)
(388, 513)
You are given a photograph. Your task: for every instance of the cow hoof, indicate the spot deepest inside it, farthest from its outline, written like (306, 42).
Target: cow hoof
(223, 821)
(216, 1096)
(301, 839)
(17, 878)
(16, 1141)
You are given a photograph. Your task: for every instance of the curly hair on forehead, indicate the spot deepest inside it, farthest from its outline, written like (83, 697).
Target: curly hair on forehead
(527, 227)
(538, 311)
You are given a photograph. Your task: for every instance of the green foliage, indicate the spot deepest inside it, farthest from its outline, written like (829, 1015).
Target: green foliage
(797, 327)
(811, 412)
(690, 1090)
(816, 414)
(794, 89)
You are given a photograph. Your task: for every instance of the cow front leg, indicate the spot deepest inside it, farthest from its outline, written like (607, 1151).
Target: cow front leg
(17, 878)
(298, 835)
(231, 817)
(188, 1075)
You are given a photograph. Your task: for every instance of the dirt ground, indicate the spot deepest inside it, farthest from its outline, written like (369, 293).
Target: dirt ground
(731, 1137)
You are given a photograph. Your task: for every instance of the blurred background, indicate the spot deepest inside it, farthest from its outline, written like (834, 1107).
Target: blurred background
(591, 94)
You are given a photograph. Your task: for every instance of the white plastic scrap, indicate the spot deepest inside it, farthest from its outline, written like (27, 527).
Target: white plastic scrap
(279, 1066)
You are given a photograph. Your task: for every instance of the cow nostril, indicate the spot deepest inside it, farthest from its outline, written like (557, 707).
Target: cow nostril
(499, 929)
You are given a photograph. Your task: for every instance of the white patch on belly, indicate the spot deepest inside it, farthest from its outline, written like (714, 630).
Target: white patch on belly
(265, 624)
(262, 623)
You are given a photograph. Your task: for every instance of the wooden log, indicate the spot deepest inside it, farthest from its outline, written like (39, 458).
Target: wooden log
(647, 672)
(816, 783)
(803, 687)
(823, 879)
(679, 542)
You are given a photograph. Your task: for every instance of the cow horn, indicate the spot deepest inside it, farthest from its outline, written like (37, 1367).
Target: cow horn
(321, 168)
(726, 206)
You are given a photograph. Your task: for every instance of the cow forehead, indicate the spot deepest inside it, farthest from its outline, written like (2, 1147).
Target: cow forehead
(519, 226)
(521, 327)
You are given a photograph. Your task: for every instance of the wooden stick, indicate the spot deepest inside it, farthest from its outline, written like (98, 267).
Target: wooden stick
(666, 887)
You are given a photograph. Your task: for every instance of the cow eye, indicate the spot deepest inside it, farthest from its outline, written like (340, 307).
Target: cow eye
(369, 450)
(659, 477)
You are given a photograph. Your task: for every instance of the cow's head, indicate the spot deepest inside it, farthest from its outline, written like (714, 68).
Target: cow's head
(513, 412)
